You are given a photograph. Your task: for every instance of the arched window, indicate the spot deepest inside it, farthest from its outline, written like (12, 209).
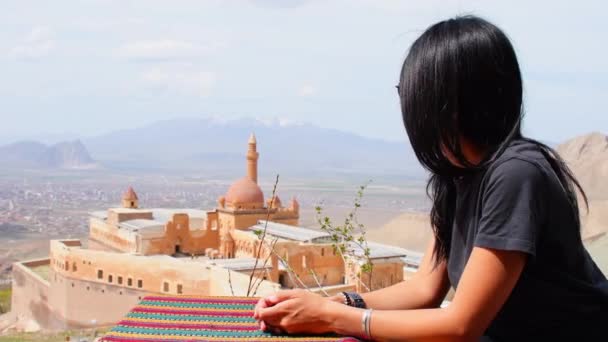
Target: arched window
(99, 274)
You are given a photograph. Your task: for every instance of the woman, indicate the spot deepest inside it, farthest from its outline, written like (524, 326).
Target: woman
(504, 215)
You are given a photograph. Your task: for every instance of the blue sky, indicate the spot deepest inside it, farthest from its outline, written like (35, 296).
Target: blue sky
(89, 67)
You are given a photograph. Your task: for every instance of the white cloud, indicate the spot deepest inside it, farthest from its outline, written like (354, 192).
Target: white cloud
(39, 42)
(38, 34)
(185, 82)
(307, 90)
(165, 49)
(279, 3)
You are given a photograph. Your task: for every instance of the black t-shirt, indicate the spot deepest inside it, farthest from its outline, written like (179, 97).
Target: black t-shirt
(519, 204)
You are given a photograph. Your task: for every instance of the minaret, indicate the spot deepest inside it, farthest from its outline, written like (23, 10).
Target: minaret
(252, 159)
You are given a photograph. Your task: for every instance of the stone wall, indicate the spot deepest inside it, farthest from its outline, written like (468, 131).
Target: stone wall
(226, 283)
(385, 272)
(302, 258)
(61, 302)
(83, 303)
(111, 236)
(157, 274)
(95, 288)
(115, 216)
(30, 296)
(179, 237)
(243, 219)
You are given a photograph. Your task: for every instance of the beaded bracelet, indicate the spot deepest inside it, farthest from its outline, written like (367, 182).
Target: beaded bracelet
(346, 298)
(354, 299)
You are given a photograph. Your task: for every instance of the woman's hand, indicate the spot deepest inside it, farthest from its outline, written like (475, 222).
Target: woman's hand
(295, 311)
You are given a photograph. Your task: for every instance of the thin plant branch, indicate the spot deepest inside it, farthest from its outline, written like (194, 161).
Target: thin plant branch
(259, 280)
(321, 287)
(257, 256)
(344, 241)
(290, 272)
(293, 275)
(255, 291)
(230, 282)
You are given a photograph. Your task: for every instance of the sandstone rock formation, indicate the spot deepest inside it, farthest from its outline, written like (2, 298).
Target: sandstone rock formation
(587, 156)
(31, 154)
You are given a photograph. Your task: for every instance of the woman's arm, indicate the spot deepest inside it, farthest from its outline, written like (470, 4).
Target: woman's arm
(486, 283)
(426, 289)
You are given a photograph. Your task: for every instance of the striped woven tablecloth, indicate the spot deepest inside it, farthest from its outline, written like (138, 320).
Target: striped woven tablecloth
(192, 318)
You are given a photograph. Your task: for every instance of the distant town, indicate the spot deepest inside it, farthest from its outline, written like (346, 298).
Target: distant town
(60, 208)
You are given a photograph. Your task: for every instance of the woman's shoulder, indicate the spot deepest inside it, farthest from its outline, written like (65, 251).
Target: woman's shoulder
(523, 166)
(523, 150)
(520, 161)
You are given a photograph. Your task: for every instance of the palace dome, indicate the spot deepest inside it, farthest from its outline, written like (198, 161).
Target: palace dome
(244, 191)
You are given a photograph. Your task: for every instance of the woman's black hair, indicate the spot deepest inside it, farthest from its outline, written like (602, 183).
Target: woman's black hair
(461, 79)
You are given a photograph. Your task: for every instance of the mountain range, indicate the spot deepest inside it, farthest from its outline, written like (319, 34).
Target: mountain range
(215, 145)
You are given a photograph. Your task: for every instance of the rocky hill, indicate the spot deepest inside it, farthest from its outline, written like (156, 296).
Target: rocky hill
(408, 230)
(32, 154)
(587, 156)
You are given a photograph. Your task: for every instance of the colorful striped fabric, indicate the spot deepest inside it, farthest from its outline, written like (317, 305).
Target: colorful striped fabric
(190, 318)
